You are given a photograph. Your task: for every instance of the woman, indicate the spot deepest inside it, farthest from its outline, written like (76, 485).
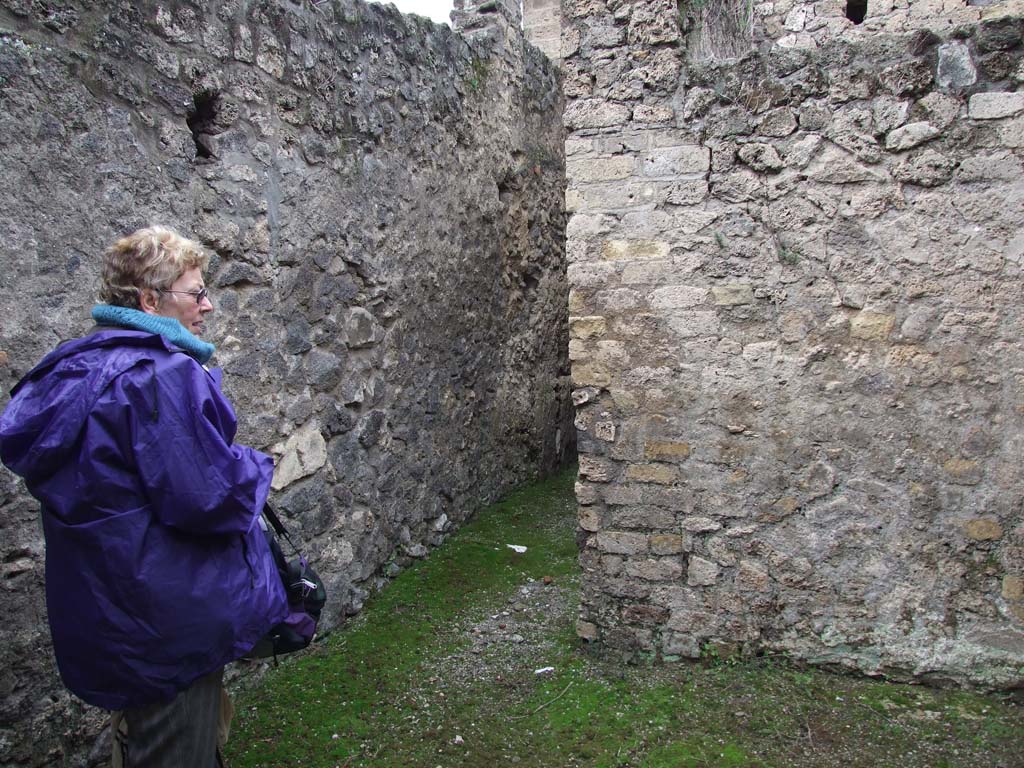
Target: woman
(157, 572)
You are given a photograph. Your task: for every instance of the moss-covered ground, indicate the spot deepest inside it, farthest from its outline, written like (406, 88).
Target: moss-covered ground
(444, 668)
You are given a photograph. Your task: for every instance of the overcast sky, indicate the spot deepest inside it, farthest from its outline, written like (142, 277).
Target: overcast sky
(437, 10)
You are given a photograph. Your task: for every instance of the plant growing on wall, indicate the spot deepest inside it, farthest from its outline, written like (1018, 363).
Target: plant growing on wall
(477, 75)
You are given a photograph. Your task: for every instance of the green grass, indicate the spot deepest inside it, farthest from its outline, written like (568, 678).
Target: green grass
(404, 684)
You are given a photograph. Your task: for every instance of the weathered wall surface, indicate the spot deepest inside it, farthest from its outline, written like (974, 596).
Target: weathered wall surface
(807, 25)
(384, 199)
(796, 340)
(542, 26)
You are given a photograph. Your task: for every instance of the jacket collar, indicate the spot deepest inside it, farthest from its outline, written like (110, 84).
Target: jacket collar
(168, 327)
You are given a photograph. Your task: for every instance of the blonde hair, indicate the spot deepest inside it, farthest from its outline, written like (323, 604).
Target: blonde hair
(154, 257)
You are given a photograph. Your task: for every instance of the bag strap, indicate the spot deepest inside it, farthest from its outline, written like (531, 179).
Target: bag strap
(278, 526)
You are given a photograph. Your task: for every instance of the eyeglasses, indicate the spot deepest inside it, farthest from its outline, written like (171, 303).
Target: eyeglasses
(199, 295)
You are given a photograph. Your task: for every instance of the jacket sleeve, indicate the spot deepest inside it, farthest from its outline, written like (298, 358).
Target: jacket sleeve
(196, 479)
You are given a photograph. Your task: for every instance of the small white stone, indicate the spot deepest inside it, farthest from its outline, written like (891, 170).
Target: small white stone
(993, 106)
(796, 19)
(910, 135)
(304, 453)
(801, 40)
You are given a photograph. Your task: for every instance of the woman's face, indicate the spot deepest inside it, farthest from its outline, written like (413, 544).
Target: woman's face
(179, 301)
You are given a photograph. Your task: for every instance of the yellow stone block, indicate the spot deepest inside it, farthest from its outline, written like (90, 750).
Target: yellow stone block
(667, 449)
(871, 326)
(909, 354)
(787, 504)
(983, 529)
(733, 295)
(959, 372)
(589, 375)
(651, 473)
(963, 471)
(587, 327)
(666, 544)
(601, 168)
(635, 249)
(1013, 587)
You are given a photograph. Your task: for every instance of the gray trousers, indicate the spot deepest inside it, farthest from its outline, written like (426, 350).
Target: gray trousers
(181, 733)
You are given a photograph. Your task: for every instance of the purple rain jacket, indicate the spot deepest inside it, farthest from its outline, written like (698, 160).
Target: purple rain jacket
(157, 571)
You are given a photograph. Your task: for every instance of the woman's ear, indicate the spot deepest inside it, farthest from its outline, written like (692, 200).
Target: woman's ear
(149, 301)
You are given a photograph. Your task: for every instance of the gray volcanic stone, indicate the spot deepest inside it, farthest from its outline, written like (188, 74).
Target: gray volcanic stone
(761, 157)
(956, 68)
(383, 199)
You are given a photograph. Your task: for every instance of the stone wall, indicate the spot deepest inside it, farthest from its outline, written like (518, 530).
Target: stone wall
(795, 331)
(542, 26)
(383, 197)
(808, 25)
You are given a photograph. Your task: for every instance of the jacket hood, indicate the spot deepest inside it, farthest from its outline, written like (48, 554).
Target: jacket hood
(41, 426)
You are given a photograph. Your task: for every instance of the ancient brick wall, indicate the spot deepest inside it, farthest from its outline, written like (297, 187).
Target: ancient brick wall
(795, 332)
(384, 200)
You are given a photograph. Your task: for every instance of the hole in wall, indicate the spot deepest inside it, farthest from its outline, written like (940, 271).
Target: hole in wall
(202, 122)
(530, 280)
(504, 191)
(856, 10)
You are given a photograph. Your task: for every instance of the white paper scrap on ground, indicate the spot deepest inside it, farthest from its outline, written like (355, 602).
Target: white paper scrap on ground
(516, 547)
(543, 670)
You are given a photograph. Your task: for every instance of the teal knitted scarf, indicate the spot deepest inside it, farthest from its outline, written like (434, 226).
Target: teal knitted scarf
(168, 327)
